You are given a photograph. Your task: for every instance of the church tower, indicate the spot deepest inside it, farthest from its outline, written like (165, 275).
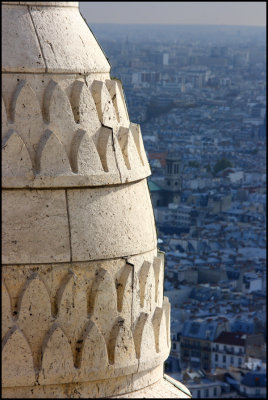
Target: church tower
(83, 311)
(173, 178)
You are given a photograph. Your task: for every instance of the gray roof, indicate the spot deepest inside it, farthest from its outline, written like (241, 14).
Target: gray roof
(204, 293)
(200, 329)
(254, 379)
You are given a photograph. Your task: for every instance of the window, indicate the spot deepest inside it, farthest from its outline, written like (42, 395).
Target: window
(198, 393)
(176, 168)
(232, 360)
(239, 361)
(224, 358)
(206, 393)
(215, 391)
(174, 346)
(216, 357)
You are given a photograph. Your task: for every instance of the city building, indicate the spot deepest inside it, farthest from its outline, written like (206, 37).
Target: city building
(254, 385)
(229, 349)
(196, 342)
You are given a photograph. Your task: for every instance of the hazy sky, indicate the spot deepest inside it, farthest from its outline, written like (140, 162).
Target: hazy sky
(190, 12)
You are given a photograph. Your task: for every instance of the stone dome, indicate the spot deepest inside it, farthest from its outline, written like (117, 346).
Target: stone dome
(83, 312)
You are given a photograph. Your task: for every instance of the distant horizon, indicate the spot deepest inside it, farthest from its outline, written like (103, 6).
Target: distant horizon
(175, 13)
(146, 24)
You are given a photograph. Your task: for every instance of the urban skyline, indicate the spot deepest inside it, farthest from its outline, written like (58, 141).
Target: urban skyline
(199, 95)
(183, 13)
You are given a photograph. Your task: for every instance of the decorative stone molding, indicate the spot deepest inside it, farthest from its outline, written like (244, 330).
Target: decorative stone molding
(85, 139)
(55, 331)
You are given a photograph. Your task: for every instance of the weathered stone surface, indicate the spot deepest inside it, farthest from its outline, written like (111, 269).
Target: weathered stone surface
(158, 387)
(166, 308)
(158, 265)
(64, 46)
(147, 287)
(17, 360)
(7, 322)
(27, 117)
(51, 156)
(136, 133)
(138, 262)
(88, 389)
(92, 358)
(111, 222)
(121, 348)
(72, 308)
(116, 92)
(16, 160)
(57, 360)
(124, 284)
(147, 377)
(85, 158)
(162, 389)
(35, 227)
(34, 315)
(4, 120)
(103, 297)
(105, 147)
(67, 43)
(58, 112)
(18, 30)
(104, 105)
(128, 148)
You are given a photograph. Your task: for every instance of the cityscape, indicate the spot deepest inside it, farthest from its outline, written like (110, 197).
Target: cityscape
(199, 94)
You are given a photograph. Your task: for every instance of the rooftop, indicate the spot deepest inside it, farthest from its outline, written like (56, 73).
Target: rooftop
(232, 338)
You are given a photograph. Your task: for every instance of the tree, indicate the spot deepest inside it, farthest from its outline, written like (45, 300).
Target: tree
(208, 167)
(194, 164)
(221, 164)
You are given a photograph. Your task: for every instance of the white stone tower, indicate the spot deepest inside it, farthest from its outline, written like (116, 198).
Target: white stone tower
(83, 313)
